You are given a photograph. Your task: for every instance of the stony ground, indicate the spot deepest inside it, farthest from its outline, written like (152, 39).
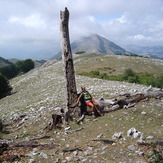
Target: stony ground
(40, 92)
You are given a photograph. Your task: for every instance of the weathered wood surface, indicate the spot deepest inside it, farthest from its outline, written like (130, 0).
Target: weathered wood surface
(131, 100)
(71, 92)
(27, 144)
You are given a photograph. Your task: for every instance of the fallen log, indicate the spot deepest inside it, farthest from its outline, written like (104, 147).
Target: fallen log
(33, 144)
(26, 144)
(72, 150)
(105, 141)
(40, 137)
(158, 142)
(131, 100)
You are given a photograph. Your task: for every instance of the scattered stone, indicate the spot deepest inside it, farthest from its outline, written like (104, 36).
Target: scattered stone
(140, 141)
(131, 131)
(31, 161)
(114, 144)
(117, 135)
(75, 153)
(35, 149)
(68, 158)
(90, 148)
(125, 113)
(143, 113)
(103, 148)
(87, 153)
(99, 136)
(139, 153)
(132, 147)
(43, 155)
(84, 160)
(57, 160)
(150, 137)
(103, 153)
(136, 134)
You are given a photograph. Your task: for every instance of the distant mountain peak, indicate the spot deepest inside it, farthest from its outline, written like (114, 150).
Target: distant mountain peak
(95, 43)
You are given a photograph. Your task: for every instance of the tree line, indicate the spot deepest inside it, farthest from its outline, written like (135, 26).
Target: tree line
(10, 71)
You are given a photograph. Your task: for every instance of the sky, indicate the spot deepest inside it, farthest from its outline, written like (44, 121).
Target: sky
(31, 28)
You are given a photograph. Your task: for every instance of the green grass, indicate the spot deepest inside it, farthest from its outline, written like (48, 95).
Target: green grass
(145, 71)
(80, 52)
(117, 64)
(45, 87)
(139, 78)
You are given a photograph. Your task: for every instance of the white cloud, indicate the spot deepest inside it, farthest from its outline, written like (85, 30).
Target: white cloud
(36, 22)
(91, 18)
(139, 37)
(122, 19)
(30, 21)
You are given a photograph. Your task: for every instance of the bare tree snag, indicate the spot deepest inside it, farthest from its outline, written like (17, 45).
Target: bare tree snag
(71, 92)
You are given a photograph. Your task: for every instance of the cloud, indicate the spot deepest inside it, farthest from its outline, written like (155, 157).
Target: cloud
(35, 23)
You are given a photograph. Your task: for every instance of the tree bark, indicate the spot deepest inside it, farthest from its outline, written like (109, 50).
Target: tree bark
(71, 92)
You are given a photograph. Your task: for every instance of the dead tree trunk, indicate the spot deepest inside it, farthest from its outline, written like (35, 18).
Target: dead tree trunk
(71, 92)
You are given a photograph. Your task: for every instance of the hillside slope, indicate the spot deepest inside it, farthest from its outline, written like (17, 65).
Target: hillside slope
(4, 62)
(39, 93)
(115, 65)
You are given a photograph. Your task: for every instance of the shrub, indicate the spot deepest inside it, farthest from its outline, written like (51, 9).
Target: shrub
(133, 79)
(104, 76)
(80, 52)
(159, 81)
(25, 66)
(5, 87)
(130, 76)
(96, 73)
(12, 70)
(128, 73)
(9, 71)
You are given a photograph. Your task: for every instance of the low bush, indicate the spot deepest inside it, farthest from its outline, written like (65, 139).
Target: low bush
(12, 70)
(80, 52)
(129, 76)
(5, 87)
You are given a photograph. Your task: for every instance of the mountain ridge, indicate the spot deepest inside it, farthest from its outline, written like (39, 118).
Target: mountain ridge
(4, 62)
(95, 43)
(150, 51)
